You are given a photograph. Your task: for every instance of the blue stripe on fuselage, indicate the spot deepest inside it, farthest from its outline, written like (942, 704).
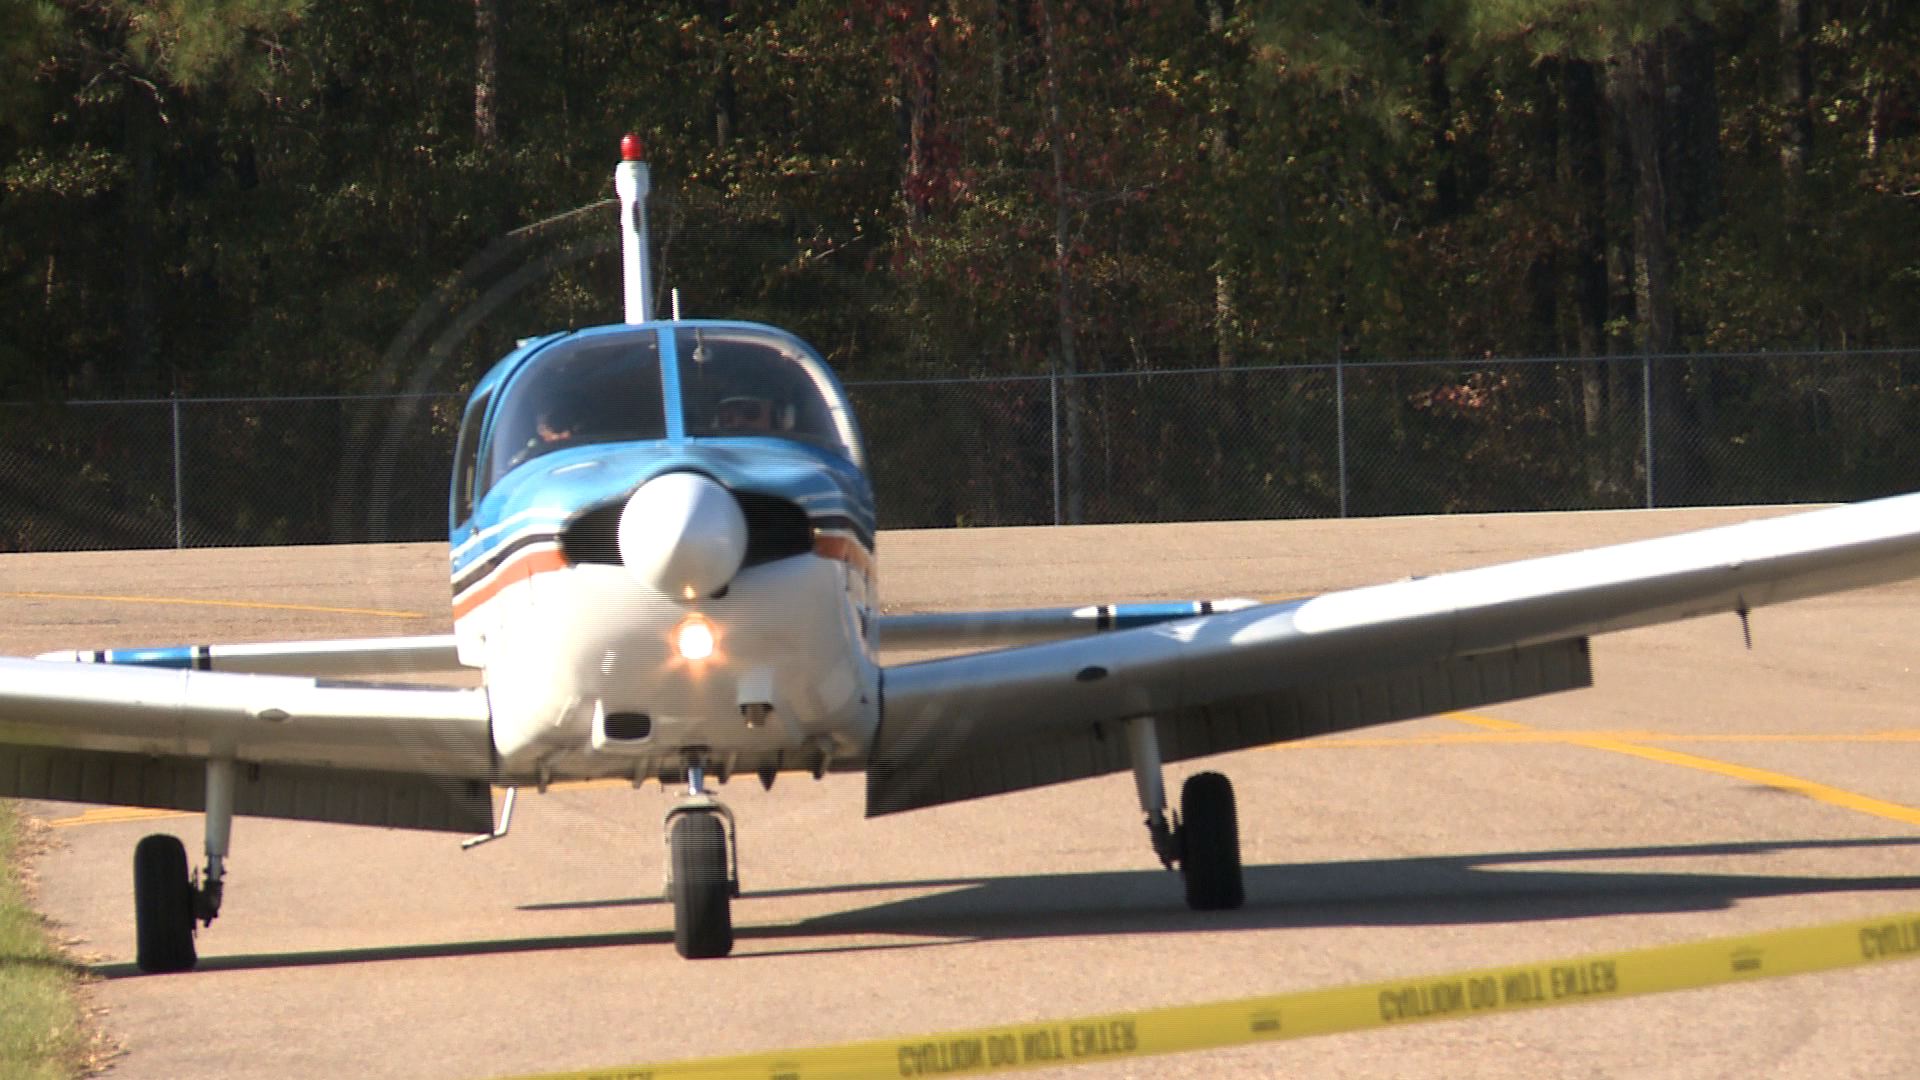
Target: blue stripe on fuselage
(546, 492)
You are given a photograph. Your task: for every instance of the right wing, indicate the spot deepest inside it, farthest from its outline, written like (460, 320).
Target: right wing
(1028, 626)
(981, 724)
(348, 658)
(310, 749)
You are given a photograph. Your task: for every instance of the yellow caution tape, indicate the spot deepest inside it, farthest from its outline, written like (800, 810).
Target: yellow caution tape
(1182, 1028)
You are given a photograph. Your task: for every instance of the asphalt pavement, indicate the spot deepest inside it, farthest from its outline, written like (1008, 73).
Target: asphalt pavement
(1655, 808)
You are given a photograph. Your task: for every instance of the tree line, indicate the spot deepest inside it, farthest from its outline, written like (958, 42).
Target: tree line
(203, 197)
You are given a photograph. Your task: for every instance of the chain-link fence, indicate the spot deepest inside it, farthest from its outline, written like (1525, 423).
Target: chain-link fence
(1317, 440)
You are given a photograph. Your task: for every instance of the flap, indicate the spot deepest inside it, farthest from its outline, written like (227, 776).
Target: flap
(349, 797)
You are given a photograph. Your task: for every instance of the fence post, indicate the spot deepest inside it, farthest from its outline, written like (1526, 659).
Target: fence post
(1646, 418)
(179, 516)
(1340, 420)
(1053, 428)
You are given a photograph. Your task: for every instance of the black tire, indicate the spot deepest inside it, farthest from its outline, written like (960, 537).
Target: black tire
(162, 906)
(1210, 843)
(702, 893)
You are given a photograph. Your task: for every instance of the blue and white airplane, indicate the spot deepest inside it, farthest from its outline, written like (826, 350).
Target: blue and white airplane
(662, 544)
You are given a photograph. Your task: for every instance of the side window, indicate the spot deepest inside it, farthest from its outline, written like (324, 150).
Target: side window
(466, 458)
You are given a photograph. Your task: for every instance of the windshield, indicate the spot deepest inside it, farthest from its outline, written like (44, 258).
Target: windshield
(599, 389)
(740, 381)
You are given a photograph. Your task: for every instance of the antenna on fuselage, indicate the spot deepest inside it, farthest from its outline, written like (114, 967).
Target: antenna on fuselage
(631, 182)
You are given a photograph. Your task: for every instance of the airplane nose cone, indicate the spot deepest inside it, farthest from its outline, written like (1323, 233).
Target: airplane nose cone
(683, 534)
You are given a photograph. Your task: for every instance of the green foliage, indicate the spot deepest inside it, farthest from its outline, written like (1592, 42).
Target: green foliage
(28, 31)
(254, 196)
(1595, 30)
(197, 44)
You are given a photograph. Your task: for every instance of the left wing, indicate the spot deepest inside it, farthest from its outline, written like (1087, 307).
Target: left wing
(987, 723)
(347, 658)
(311, 749)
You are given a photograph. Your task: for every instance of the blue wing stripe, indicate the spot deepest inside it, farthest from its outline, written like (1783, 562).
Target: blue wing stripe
(1128, 616)
(184, 657)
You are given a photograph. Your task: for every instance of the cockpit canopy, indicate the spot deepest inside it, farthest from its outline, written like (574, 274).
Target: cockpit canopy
(730, 381)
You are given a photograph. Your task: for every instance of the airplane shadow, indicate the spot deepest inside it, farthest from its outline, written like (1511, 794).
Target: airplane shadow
(1438, 890)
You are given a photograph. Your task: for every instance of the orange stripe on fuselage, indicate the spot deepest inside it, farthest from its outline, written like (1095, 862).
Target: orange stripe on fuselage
(542, 558)
(534, 560)
(844, 548)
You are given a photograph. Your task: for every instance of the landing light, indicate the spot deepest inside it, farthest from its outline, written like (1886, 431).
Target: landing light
(693, 639)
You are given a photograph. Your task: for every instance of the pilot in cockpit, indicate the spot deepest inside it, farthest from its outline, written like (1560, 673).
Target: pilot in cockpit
(557, 423)
(551, 428)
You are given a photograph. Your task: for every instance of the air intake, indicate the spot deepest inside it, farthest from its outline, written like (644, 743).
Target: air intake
(628, 726)
(776, 529)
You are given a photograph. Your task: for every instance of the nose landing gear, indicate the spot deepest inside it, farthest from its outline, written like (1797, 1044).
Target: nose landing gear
(703, 871)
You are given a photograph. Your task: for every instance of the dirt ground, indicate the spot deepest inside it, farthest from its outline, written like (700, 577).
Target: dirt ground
(1422, 847)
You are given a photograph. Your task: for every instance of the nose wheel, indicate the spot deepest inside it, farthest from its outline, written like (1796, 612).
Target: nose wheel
(703, 872)
(701, 890)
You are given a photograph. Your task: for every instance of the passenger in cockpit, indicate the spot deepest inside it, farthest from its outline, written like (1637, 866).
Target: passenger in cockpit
(745, 415)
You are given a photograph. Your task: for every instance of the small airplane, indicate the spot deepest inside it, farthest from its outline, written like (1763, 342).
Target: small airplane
(662, 562)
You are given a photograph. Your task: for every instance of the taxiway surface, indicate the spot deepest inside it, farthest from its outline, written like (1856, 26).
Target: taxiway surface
(1417, 848)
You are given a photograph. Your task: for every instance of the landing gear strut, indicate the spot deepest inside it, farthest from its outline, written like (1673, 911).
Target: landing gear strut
(167, 901)
(704, 871)
(1205, 841)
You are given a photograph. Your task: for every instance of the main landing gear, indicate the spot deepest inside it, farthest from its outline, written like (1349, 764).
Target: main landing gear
(703, 871)
(167, 901)
(1205, 840)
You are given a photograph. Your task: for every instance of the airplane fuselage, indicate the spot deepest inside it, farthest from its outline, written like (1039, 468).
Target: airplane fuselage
(730, 499)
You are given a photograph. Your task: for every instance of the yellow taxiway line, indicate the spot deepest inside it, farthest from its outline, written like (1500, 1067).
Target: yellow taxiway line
(109, 815)
(1812, 789)
(1521, 736)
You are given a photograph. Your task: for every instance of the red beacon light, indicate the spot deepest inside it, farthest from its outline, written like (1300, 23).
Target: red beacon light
(630, 148)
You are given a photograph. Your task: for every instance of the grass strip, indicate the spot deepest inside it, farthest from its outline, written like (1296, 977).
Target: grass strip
(43, 1033)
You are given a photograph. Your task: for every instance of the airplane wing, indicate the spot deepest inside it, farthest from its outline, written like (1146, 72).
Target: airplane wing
(348, 658)
(309, 749)
(986, 723)
(1027, 626)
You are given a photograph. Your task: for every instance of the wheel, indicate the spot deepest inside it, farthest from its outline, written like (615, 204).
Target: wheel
(702, 893)
(1210, 843)
(162, 906)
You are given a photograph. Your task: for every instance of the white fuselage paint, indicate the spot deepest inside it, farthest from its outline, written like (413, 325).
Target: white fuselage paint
(569, 643)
